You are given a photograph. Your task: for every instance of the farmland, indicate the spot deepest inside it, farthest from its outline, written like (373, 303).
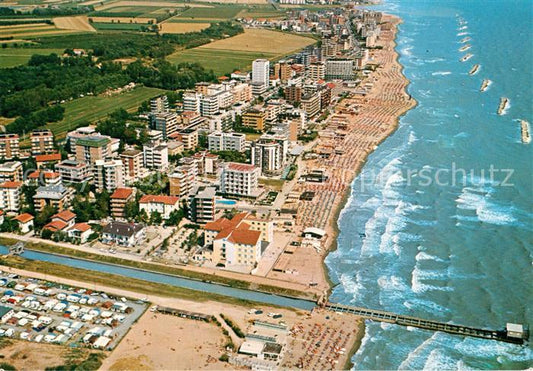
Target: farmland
(91, 109)
(225, 61)
(22, 31)
(238, 52)
(78, 23)
(10, 57)
(219, 12)
(259, 40)
(181, 27)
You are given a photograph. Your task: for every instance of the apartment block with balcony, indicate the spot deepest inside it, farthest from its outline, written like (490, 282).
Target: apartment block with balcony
(9, 146)
(108, 175)
(166, 123)
(155, 156)
(201, 204)
(92, 148)
(219, 141)
(254, 119)
(56, 196)
(42, 142)
(10, 196)
(74, 172)
(132, 161)
(11, 171)
(119, 199)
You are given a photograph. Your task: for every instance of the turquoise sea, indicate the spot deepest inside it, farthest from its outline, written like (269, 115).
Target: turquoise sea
(460, 250)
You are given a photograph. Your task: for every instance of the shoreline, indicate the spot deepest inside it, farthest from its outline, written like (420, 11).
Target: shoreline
(333, 223)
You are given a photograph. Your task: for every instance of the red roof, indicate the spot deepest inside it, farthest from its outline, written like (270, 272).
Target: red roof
(245, 236)
(11, 185)
(223, 223)
(65, 215)
(47, 174)
(50, 157)
(122, 193)
(160, 199)
(240, 167)
(82, 227)
(24, 218)
(55, 226)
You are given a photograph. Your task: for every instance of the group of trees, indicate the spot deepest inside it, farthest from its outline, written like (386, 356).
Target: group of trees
(118, 125)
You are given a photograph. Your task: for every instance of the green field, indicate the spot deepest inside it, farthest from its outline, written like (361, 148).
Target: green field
(216, 12)
(264, 12)
(220, 61)
(90, 109)
(118, 26)
(10, 57)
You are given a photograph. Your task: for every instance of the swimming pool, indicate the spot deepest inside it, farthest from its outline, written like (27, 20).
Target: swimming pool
(226, 202)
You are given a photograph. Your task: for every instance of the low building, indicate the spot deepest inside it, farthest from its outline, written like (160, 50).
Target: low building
(80, 232)
(65, 216)
(47, 160)
(38, 178)
(123, 234)
(164, 205)
(118, 201)
(56, 196)
(11, 172)
(25, 222)
(10, 194)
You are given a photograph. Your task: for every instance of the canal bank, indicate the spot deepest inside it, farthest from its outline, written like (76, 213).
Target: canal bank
(92, 269)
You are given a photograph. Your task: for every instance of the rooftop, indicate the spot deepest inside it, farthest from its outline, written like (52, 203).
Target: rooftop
(122, 229)
(24, 218)
(235, 166)
(160, 199)
(122, 193)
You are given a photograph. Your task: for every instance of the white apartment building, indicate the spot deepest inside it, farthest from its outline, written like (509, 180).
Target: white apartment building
(155, 156)
(261, 72)
(191, 101)
(11, 171)
(108, 174)
(159, 104)
(164, 205)
(10, 193)
(42, 142)
(209, 105)
(219, 141)
(270, 153)
(239, 179)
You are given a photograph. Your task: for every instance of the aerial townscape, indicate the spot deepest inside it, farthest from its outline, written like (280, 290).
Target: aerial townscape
(173, 177)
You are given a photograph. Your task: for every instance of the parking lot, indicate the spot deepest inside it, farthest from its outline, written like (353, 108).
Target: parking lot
(40, 311)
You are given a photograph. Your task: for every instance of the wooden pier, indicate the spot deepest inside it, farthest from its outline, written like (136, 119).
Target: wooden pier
(512, 334)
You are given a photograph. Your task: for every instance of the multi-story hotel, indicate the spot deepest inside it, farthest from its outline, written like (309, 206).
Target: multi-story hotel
(254, 119)
(165, 122)
(74, 172)
(155, 156)
(202, 204)
(239, 179)
(92, 148)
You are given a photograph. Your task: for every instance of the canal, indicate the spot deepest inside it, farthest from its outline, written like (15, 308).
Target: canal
(214, 288)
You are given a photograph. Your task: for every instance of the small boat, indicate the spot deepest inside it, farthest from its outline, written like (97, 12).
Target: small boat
(465, 39)
(524, 128)
(485, 85)
(464, 48)
(504, 102)
(462, 28)
(474, 69)
(467, 57)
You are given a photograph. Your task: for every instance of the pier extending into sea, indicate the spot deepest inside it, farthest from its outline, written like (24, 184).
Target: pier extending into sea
(514, 333)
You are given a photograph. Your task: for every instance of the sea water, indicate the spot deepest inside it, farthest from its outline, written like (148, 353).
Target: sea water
(458, 251)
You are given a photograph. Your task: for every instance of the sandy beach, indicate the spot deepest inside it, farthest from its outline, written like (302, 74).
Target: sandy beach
(358, 125)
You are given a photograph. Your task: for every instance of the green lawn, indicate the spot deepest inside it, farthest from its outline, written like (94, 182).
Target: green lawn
(90, 109)
(10, 57)
(220, 61)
